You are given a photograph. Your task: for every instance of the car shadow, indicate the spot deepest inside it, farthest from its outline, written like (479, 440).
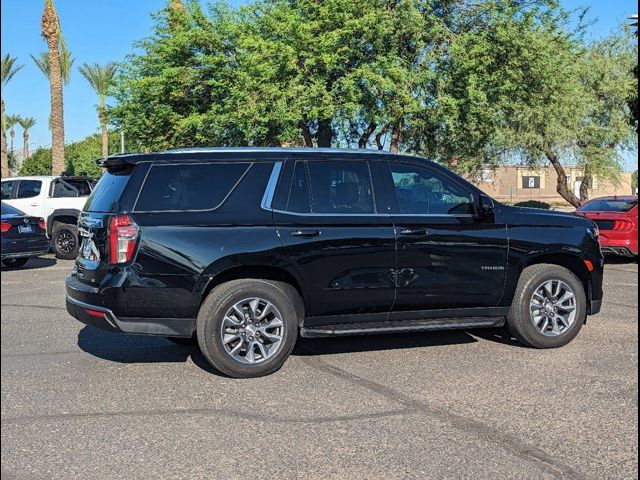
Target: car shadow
(35, 263)
(618, 260)
(149, 349)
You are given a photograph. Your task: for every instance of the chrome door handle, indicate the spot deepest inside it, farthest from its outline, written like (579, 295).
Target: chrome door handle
(305, 233)
(415, 232)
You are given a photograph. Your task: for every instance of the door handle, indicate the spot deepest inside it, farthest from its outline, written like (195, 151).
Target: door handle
(414, 232)
(305, 233)
(33, 204)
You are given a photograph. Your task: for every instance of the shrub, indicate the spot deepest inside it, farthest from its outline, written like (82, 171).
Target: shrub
(534, 204)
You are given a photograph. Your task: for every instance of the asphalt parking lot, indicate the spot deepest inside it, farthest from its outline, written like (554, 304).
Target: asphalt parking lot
(81, 403)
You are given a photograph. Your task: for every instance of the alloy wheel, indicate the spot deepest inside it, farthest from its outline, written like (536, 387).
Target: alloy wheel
(553, 308)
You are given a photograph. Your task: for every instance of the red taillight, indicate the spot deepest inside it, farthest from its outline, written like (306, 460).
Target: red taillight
(6, 227)
(622, 225)
(123, 237)
(42, 224)
(94, 313)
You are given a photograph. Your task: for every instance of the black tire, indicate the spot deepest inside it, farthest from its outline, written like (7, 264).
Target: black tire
(64, 241)
(15, 262)
(218, 303)
(519, 319)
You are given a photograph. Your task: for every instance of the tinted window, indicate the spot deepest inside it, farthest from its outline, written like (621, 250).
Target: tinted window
(341, 187)
(29, 188)
(64, 189)
(6, 189)
(421, 191)
(609, 205)
(9, 210)
(299, 195)
(82, 186)
(107, 192)
(188, 187)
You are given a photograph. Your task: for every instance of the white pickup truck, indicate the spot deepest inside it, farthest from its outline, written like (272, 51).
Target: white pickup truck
(59, 200)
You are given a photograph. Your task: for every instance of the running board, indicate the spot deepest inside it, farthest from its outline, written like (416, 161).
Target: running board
(401, 326)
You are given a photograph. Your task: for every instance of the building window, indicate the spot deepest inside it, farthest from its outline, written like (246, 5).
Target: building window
(530, 182)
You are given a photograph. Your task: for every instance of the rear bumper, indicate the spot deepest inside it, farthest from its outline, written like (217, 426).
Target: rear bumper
(619, 243)
(86, 304)
(20, 248)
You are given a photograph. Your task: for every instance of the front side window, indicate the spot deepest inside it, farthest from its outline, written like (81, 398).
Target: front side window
(421, 191)
(341, 187)
(6, 189)
(29, 188)
(188, 187)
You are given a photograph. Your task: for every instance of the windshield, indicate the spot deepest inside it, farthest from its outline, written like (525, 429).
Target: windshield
(9, 210)
(609, 205)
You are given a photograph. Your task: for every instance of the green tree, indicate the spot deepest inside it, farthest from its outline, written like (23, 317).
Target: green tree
(100, 77)
(9, 69)
(11, 121)
(66, 62)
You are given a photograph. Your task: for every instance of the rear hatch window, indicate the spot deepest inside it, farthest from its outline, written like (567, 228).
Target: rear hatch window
(108, 190)
(609, 205)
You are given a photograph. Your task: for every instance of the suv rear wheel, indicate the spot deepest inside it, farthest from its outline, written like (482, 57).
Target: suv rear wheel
(64, 241)
(549, 307)
(247, 328)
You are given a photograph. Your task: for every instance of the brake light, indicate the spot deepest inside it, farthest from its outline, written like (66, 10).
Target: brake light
(123, 238)
(6, 227)
(42, 224)
(622, 225)
(94, 313)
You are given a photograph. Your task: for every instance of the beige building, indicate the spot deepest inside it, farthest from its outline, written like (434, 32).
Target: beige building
(514, 184)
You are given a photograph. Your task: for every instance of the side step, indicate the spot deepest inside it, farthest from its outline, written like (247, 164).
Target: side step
(401, 326)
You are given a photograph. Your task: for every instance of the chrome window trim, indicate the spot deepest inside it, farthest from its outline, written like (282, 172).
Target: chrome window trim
(216, 207)
(270, 189)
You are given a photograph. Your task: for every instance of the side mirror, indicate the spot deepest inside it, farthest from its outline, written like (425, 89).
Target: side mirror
(485, 205)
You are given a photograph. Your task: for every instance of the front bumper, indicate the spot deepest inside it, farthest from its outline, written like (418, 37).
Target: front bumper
(86, 304)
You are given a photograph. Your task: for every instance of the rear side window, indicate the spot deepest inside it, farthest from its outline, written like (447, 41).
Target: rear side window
(6, 189)
(108, 190)
(29, 188)
(189, 187)
(341, 187)
(299, 201)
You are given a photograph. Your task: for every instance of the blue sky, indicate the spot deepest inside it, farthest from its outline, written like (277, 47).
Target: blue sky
(98, 31)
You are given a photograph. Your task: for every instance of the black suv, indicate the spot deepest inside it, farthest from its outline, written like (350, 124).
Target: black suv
(246, 249)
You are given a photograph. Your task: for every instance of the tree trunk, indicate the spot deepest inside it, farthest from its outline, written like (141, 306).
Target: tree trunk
(563, 188)
(306, 134)
(25, 144)
(51, 33)
(366, 135)
(587, 180)
(12, 132)
(396, 137)
(379, 135)
(105, 131)
(325, 133)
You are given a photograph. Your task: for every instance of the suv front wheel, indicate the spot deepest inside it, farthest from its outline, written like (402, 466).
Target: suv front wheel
(247, 328)
(549, 307)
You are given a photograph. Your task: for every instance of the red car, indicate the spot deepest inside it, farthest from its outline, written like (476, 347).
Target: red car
(617, 219)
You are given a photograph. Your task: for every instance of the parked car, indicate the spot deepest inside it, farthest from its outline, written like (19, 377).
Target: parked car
(23, 237)
(249, 248)
(58, 200)
(617, 219)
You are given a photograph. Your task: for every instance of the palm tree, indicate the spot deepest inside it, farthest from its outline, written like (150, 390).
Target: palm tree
(10, 122)
(9, 69)
(66, 62)
(51, 32)
(100, 77)
(26, 123)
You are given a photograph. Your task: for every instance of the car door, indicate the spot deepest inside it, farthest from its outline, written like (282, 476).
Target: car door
(30, 197)
(332, 217)
(448, 256)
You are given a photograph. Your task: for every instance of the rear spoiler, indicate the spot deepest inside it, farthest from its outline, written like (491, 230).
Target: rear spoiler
(122, 160)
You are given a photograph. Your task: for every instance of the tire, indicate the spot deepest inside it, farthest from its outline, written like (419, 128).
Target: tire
(521, 321)
(64, 241)
(217, 309)
(15, 262)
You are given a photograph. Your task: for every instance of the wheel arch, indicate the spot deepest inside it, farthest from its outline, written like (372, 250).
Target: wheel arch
(254, 271)
(63, 215)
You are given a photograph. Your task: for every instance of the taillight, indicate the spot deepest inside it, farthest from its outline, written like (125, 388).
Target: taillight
(622, 225)
(42, 224)
(6, 227)
(123, 237)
